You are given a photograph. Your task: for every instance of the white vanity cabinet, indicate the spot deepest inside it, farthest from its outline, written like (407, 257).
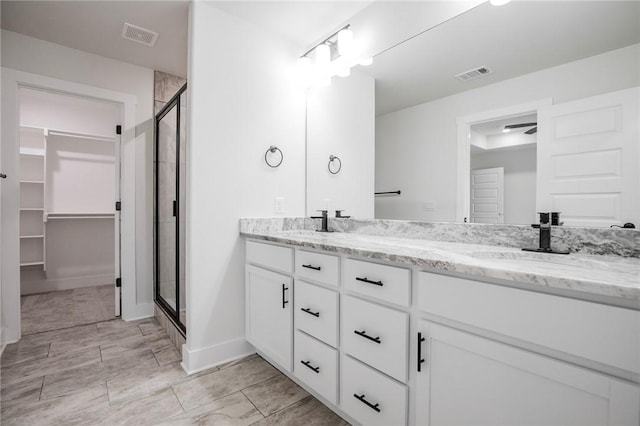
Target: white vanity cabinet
(392, 344)
(468, 379)
(269, 301)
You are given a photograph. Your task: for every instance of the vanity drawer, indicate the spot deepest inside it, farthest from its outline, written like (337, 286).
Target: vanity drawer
(376, 335)
(271, 256)
(316, 365)
(316, 312)
(370, 397)
(383, 282)
(318, 267)
(602, 333)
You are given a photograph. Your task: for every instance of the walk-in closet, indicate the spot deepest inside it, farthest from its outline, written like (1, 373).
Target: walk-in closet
(69, 226)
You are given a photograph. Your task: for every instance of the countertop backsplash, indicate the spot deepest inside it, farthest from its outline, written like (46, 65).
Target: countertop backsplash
(593, 241)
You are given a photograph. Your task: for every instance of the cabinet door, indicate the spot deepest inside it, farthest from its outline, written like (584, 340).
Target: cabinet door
(269, 314)
(467, 379)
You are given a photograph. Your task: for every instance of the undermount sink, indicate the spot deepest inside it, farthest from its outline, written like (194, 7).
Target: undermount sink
(514, 257)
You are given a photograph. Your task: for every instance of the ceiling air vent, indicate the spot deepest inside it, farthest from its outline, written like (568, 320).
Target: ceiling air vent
(474, 73)
(139, 34)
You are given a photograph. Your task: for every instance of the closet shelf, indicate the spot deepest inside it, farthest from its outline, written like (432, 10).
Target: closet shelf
(34, 152)
(31, 236)
(39, 182)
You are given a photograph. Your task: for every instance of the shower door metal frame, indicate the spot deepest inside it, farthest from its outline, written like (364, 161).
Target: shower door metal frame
(173, 314)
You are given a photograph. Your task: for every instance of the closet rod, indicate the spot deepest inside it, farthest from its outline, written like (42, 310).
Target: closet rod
(59, 132)
(79, 217)
(81, 136)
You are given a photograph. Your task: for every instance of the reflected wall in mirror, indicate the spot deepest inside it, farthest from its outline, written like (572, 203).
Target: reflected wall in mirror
(569, 66)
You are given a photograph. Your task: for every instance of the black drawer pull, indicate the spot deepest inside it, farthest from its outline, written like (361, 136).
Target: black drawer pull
(308, 364)
(364, 334)
(368, 281)
(367, 403)
(284, 302)
(310, 312)
(315, 268)
(420, 359)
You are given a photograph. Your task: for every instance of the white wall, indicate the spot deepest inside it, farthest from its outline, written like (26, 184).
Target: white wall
(68, 113)
(519, 180)
(340, 122)
(39, 57)
(416, 147)
(241, 100)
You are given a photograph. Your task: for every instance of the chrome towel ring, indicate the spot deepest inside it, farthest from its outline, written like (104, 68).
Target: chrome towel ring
(334, 170)
(272, 149)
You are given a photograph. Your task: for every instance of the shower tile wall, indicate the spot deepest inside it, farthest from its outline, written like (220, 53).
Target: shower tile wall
(166, 86)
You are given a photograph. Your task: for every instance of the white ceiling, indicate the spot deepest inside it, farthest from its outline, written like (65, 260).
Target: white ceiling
(515, 39)
(495, 127)
(96, 26)
(302, 22)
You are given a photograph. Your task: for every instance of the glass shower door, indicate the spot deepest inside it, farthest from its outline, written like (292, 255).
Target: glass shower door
(170, 165)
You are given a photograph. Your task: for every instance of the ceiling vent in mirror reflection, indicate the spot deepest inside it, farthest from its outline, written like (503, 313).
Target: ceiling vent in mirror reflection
(139, 34)
(474, 73)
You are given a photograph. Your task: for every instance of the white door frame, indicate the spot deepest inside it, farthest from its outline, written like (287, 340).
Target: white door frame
(12, 80)
(463, 187)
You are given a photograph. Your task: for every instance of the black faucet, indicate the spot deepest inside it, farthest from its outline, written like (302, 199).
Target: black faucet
(340, 216)
(545, 233)
(325, 221)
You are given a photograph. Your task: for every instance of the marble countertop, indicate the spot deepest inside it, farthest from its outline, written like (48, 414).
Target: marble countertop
(616, 279)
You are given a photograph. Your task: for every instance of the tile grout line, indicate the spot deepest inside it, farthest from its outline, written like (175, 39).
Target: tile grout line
(254, 405)
(41, 389)
(179, 402)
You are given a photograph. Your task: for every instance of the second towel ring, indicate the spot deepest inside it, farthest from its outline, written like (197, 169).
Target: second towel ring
(333, 170)
(272, 149)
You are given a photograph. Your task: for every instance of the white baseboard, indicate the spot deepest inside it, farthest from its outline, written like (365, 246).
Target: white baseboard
(42, 286)
(194, 361)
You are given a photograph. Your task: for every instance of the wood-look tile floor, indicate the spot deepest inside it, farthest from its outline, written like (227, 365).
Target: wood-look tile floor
(117, 372)
(67, 308)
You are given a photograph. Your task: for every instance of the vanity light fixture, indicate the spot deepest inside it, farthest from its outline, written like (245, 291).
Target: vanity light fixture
(498, 2)
(335, 55)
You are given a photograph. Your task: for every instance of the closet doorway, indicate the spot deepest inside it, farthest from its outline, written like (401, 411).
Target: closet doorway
(169, 208)
(69, 168)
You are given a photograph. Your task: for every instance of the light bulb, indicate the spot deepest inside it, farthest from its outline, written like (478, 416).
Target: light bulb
(366, 61)
(506, 130)
(498, 2)
(345, 42)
